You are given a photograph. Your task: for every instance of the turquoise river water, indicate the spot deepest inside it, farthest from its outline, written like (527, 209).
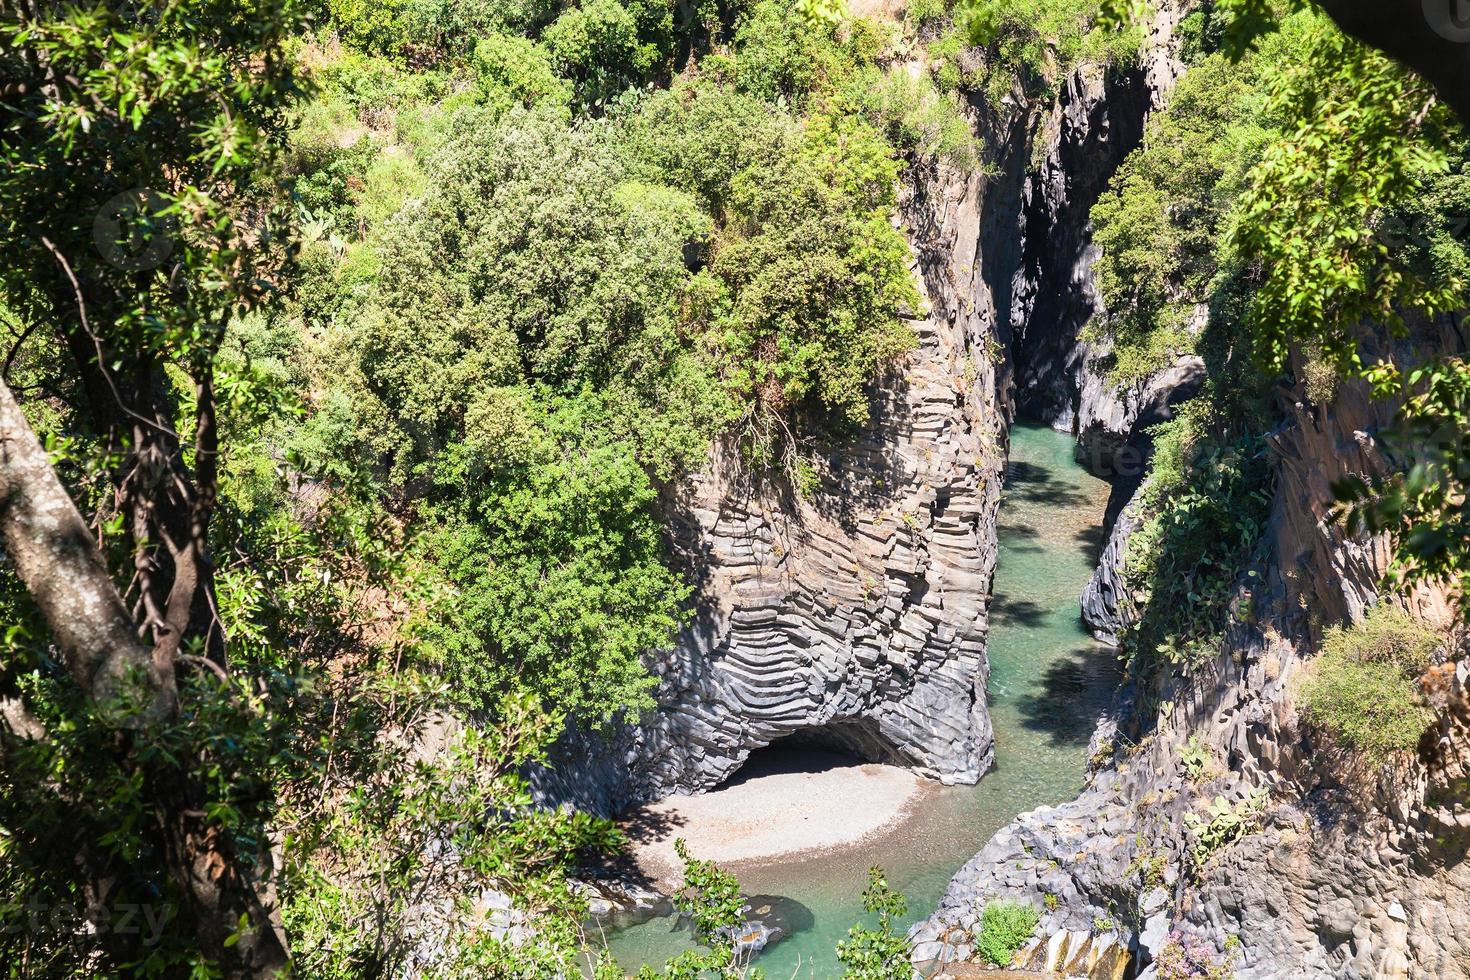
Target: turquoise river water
(1048, 682)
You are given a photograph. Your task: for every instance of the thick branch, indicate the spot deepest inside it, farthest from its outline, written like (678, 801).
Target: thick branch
(56, 559)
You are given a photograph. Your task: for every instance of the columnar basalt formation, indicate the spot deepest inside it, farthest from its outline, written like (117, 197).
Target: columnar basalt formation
(855, 615)
(852, 614)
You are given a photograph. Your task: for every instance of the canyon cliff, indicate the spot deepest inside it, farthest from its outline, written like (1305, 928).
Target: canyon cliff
(855, 615)
(1340, 869)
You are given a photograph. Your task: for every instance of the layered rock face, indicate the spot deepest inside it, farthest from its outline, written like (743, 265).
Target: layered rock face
(854, 615)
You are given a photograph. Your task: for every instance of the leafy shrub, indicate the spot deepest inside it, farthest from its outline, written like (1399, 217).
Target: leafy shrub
(917, 116)
(1005, 926)
(811, 277)
(1196, 758)
(517, 71)
(1159, 223)
(423, 32)
(1361, 689)
(921, 12)
(1208, 498)
(881, 953)
(783, 54)
(1032, 42)
(603, 46)
(1226, 825)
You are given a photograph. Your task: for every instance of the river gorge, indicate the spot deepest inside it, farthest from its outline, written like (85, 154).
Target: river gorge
(1049, 681)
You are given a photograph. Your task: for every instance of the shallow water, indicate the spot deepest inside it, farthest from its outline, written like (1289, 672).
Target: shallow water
(1048, 681)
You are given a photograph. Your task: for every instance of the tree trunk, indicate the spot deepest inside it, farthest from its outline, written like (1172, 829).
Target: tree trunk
(56, 558)
(60, 566)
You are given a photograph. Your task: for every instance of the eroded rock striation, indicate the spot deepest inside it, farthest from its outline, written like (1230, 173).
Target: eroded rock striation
(852, 615)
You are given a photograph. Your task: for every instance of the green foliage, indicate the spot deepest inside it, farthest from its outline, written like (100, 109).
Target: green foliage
(877, 954)
(1361, 690)
(516, 71)
(709, 896)
(809, 276)
(1225, 825)
(1207, 501)
(1031, 43)
(1364, 135)
(1005, 926)
(603, 46)
(553, 577)
(151, 105)
(533, 418)
(456, 819)
(426, 32)
(533, 320)
(919, 13)
(916, 116)
(1353, 217)
(1159, 225)
(1231, 27)
(1422, 500)
(784, 55)
(1195, 757)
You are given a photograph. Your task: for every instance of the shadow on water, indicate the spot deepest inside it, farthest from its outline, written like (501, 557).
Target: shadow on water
(1037, 484)
(1016, 612)
(1073, 692)
(1013, 533)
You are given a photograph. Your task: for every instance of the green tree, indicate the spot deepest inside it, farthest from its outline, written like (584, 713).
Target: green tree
(132, 146)
(877, 954)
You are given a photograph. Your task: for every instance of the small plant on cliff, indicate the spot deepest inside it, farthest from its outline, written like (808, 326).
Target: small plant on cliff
(1361, 690)
(877, 954)
(1150, 869)
(1195, 757)
(1226, 825)
(1005, 926)
(1192, 958)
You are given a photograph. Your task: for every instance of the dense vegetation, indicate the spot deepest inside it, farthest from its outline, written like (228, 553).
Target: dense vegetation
(1291, 212)
(1005, 926)
(1362, 690)
(612, 291)
(355, 350)
(390, 362)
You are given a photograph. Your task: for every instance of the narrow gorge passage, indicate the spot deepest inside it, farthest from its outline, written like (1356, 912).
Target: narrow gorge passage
(1049, 680)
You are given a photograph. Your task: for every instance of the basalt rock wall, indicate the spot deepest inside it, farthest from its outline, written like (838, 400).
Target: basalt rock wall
(1337, 868)
(855, 615)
